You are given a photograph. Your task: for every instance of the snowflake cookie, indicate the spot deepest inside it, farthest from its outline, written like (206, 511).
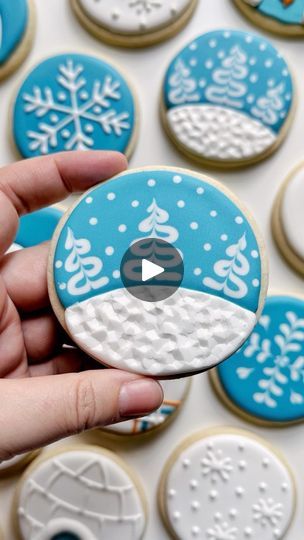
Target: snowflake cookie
(74, 102)
(226, 485)
(134, 23)
(227, 99)
(223, 288)
(264, 380)
(85, 492)
(285, 17)
(16, 34)
(288, 219)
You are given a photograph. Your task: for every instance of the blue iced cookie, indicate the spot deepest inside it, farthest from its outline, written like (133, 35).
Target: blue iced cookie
(265, 379)
(285, 17)
(209, 316)
(74, 102)
(227, 98)
(16, 33)
(37, 227)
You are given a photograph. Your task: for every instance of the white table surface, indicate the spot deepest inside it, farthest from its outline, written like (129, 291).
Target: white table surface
(58, 31)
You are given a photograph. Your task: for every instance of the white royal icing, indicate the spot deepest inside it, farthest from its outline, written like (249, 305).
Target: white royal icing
(81, 492)
(188, 332)
(7, 464)
(219, 133)
(253, 3)
(14, 247)
(292, 214)
(134, 16)
(229, 487)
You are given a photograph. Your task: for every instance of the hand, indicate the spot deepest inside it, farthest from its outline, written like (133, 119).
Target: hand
(44, 395)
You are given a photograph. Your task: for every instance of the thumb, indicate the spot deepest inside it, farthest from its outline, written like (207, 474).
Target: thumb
(37, 411)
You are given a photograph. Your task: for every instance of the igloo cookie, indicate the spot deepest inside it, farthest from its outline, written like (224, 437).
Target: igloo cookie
(227, 99)
(208, 252)
(288, 219)
(134, 23)
(175, 393)
(226, 484)
(16, 464)
(264, 380)
(86, 493)
(16, 33)
(74, 102)
(284, 17)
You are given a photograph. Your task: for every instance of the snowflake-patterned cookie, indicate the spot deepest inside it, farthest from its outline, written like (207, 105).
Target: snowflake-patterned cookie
(227, 98)
(134, 23)
(223, 288)
(265, 379)
(74, 102)
(285, 17)
(86, 493)
(226, 485)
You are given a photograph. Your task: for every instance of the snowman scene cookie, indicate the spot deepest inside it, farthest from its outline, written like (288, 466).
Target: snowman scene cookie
(86, 493)
(226, 485)
(74, 102)
(288, 219)
(175, 393)
(16, 34)
(192, 312)
(285, 17)
(134, 23)
(264, 380)
(227, 99)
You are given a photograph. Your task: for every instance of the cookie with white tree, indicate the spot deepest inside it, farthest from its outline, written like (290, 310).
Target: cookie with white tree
(168, 215)
(226, 484)
(227, 99)
(284, 17)
(134, 23)
(74, 102)
(81, 492)
(264, 380)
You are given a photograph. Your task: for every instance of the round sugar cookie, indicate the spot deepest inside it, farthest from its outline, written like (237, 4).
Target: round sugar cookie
(83, 493)
(16, 34)
(175, 393)
(288, 219)
(134, 23)
(264, 380)
(36, 228)
(16, 464)
(223, 286)
(283, 17)
(74, 102)
(227, 99)
(226, 484)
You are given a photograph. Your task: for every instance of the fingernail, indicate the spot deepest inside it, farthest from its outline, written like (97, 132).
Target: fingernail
(139, 397)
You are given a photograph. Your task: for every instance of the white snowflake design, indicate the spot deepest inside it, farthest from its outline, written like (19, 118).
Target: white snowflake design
(267, 512)
(74, 122)
(222, 532)
(145, 6)
(216, 466)
(280, 369)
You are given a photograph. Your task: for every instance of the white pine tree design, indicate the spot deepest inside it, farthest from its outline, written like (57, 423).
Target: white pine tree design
(154, 227)
(232, 270)
(183, 87)
(269, 106)
(229, 89)
(87, 268)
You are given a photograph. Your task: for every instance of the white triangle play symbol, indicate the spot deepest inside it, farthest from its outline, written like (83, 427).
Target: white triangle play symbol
(150, 270)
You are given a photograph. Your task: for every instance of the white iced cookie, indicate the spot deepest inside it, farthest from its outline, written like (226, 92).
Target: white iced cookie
(288, 219)
(226, 485)
(85, 493)
(14, 465)
(134, 23)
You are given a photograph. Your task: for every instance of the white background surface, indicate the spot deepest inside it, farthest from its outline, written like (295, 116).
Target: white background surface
(58, 31)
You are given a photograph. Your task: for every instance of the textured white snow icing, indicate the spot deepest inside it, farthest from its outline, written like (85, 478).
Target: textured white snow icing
(219, 134)
(188, 332)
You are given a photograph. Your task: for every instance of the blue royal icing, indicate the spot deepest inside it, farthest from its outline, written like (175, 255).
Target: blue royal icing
(286, 13)
(235, 70)
(13, 23)
(266, 377)
(37, 227)
(73, 102)
(219, 248)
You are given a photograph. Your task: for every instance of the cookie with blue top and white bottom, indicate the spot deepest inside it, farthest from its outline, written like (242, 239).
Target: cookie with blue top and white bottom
(74, 102)
(228, 99)
(36, 228)
(221, 293)
(283, 17)
(264, 381)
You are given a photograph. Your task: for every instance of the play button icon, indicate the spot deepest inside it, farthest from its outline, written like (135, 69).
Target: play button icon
(152, 269)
